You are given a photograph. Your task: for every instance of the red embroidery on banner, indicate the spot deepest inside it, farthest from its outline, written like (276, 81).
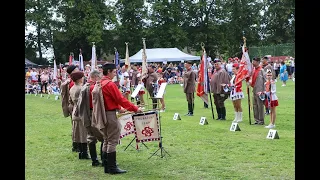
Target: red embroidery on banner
(147, 131)
(128, 126)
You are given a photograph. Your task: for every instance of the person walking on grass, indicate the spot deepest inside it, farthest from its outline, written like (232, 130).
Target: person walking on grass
(283, 73)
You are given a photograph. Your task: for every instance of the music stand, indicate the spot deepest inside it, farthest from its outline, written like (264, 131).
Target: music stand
(130, 144)
(133, 95)
(158, 97)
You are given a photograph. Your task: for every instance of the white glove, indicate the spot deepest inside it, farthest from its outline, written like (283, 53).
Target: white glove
(222, 95)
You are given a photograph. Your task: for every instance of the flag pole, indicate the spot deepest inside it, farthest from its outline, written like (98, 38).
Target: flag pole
(208, 82)
(116, 62)
(248, 87)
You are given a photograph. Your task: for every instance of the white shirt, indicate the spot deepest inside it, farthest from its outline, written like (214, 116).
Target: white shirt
(229, 67)
(33, 75)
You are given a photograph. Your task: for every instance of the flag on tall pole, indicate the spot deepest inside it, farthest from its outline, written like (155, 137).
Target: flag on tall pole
(245, 66)
(81, 61)
(127, 60)
(70, 58)
(93, 57)
(202, 88)
(55, 70)
(144, 58)
(116, 57)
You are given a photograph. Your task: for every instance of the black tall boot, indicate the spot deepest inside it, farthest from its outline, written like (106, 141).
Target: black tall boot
(223, 113)
(189, 109)
(104, 162)
(93, 154)
(155, 103)
(83, 154)
(112, 167)
(75, 147)
(103, 158)
(218, 113)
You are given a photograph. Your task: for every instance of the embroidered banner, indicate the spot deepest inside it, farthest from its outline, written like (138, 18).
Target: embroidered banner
(126, 125)
(146, 126)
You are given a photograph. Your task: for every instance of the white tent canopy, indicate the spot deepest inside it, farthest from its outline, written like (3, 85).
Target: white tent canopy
(163, 55)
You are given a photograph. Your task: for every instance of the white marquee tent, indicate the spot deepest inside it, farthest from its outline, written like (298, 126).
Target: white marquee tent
(163, 55)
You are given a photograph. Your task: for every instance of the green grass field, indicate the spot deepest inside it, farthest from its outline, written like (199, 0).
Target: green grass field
(196, 151)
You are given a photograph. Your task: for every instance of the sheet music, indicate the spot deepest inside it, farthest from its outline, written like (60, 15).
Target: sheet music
(136, 91)
(161, 90)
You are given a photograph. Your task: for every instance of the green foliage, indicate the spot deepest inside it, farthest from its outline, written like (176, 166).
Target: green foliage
(196, 151)
(219, 24)
(275, 50)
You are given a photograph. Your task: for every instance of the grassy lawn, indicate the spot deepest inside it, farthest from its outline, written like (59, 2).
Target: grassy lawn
(196, 151)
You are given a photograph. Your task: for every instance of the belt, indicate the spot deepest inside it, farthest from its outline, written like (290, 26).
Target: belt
(112, 110)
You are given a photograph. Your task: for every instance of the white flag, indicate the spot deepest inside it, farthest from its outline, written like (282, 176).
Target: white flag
(127, 61)
(81, 61)
(55, 70)
(93, 58)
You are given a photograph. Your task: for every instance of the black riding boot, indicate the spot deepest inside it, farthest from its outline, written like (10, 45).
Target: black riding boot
(75, 147)
(218, 113)
(103, 158)
(189, 109)
(83, 154)
(111, 166)
(223, 113)
(93, 154)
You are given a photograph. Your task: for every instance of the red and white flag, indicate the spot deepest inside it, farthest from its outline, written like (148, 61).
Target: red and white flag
(203, 85)
(245, 66)
(70, 59)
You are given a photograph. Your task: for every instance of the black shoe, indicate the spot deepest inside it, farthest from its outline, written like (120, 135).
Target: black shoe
(96, 163)
(258, 123)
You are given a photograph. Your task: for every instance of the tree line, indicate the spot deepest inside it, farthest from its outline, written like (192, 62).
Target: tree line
(69, 25)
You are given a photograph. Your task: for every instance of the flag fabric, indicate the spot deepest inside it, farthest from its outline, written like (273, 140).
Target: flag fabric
(144, 62)
(93, 58)
(116, 58)
(245, 66)
(127, 60)
(81, 61)
(70, 59)
(203, 84)
(55, 70)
